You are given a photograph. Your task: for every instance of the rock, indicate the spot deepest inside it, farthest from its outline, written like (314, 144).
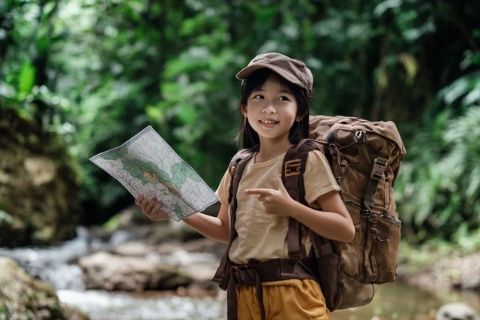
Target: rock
(72, 313)
(38, 185)
(107, 271)
(456, 311)
(460, 273)
(22, 297)
(135, 266)
(132, 248)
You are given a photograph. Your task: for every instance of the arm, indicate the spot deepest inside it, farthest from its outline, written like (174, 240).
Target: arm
(215, 228)
(333, 220)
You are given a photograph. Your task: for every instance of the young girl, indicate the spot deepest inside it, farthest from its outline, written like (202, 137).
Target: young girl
(275, 98)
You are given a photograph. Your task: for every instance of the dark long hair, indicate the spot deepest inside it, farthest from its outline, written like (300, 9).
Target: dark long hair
(247, 137)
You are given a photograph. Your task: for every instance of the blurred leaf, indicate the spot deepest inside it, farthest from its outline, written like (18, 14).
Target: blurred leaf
(26, 79)
(411, 66)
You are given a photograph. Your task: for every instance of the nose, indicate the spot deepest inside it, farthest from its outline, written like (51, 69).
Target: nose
(269, 108)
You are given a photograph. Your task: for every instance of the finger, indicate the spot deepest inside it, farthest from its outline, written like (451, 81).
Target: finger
(149, 206)
(259, 191)
(265, 198)
(158, 206)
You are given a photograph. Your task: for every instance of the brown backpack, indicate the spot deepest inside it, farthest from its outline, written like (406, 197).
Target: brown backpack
(364, 157)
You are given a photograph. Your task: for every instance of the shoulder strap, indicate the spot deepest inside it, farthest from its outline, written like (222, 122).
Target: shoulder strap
(292, 176)
(236, 170)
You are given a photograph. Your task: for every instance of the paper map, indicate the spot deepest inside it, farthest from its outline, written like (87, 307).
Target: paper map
(147, 165)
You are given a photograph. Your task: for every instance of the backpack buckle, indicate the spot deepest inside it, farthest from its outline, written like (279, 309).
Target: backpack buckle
(232, 170)
(292, 167)
(378, 169)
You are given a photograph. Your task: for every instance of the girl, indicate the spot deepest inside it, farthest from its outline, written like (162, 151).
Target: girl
(274, 104)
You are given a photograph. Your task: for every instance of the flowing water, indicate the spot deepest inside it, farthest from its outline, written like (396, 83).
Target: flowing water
(56, 266)
(392, 301)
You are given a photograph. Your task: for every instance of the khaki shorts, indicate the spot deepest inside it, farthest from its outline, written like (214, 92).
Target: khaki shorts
(284, 300)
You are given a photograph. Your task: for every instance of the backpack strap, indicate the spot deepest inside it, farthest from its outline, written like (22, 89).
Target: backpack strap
(293, 169)
(236, 170)
(378, 171)
(223, 275)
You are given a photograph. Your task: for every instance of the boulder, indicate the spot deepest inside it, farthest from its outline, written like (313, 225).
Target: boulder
(456, 311)
(38, 185)
(447, 273)
(107, 271)
(23, 297)
(135, 266)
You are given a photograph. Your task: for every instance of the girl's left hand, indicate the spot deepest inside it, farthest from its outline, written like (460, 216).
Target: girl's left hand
(277, 202)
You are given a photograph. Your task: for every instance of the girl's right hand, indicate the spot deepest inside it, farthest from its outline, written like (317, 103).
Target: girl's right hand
(151, 208)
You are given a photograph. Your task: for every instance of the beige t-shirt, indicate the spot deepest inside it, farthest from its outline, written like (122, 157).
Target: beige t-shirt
(261, 235)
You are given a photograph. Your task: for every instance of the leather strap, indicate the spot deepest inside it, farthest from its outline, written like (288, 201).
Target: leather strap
(293, 170)
(378, 171)
(236, 170)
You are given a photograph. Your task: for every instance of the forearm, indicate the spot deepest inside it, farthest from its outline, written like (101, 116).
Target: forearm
(331, 225)
(211, 227)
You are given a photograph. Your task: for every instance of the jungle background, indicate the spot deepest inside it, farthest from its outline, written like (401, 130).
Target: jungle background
(81, 76)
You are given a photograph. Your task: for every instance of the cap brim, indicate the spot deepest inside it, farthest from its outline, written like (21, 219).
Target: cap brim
(248, 70)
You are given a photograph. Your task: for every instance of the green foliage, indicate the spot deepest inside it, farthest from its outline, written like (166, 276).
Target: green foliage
(96, 72)
(439, 186)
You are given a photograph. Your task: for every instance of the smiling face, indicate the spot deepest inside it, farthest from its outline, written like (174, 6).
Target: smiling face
(271, 110)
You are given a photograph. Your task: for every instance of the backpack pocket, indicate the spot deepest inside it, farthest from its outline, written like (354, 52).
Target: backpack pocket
(381, 246)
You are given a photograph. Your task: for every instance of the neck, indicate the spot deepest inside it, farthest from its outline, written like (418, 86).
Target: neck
(270, 149)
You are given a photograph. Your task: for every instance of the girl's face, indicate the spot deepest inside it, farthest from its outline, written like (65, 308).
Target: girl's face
(271, 110)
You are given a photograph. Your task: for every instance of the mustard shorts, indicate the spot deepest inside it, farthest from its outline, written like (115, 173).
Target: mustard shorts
(283, 300)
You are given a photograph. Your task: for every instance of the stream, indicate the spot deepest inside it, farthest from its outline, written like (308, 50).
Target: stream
(56, 265)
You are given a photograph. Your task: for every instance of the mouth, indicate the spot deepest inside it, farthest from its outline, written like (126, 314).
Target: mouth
(269, 122)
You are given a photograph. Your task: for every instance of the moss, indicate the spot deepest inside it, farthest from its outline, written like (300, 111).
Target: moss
(23, 297)
(38, 185)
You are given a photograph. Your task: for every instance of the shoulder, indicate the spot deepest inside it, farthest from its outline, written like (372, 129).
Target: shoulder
(317, 156)
(308, 145)
(241, 155)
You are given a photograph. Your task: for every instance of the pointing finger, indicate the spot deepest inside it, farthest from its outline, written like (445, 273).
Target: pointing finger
(259, 191)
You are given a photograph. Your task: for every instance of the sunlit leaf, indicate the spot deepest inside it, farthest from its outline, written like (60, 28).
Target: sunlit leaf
(26, 78)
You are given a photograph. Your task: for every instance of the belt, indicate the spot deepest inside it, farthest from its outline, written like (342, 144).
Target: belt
(254, 273)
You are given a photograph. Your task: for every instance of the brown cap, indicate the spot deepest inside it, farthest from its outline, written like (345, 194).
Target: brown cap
(292, 70)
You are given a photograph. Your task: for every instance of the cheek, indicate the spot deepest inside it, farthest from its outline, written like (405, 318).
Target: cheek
(294, 114)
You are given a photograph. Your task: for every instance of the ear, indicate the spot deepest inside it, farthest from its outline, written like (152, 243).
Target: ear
(243, 109)
(299, 118)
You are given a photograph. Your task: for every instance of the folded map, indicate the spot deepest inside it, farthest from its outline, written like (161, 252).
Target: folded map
(147, 165)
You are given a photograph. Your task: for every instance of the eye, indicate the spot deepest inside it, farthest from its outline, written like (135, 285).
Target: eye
(284, 98)
(257, 97)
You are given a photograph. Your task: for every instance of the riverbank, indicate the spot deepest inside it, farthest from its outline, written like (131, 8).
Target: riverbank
(443, 270)
(147, 267)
